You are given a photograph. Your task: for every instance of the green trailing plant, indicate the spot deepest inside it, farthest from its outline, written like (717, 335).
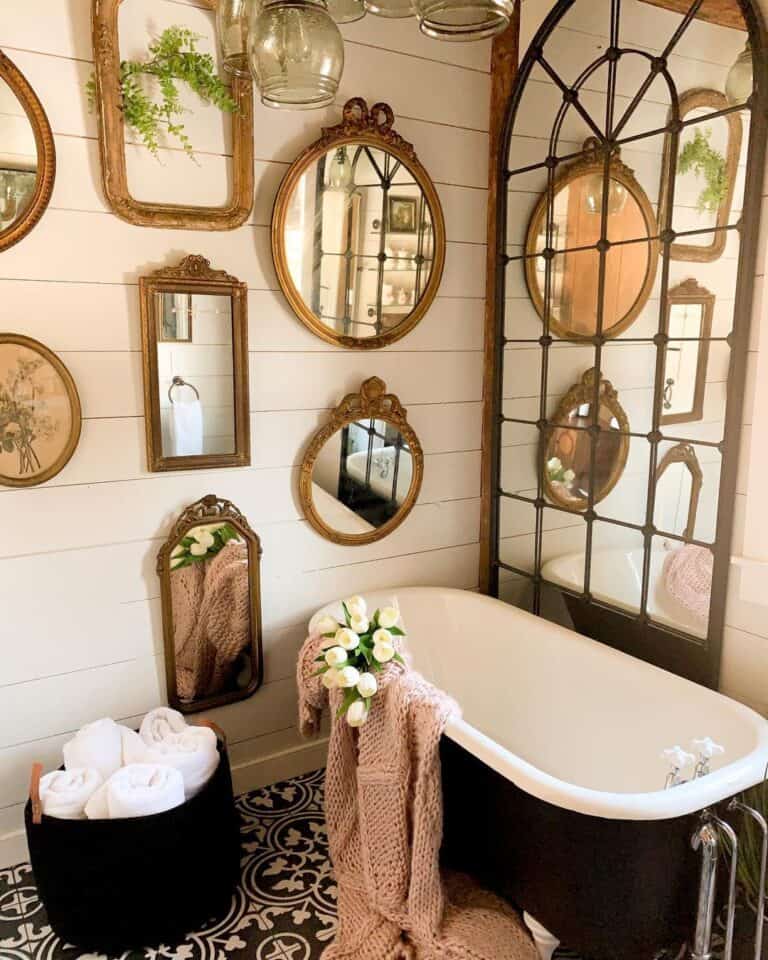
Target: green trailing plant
(173, 59)
(699, 157)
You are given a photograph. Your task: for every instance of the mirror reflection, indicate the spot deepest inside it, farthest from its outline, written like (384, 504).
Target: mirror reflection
(18, 158)
(195, 364)
(574, 276)
(689, 326)
(209, 574)
(362, 476)
(359, 240)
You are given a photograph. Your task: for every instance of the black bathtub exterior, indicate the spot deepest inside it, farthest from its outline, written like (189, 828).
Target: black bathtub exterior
(608, 889)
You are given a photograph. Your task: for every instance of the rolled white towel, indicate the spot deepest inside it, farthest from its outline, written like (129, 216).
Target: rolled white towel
(96, 746)
(65, 793)
(142, 789)
(165, 738)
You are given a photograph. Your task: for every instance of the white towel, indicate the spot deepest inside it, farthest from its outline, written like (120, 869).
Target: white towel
(186, 428)
(96, 746)
(142, 789)
(165, 738)
(65, 793)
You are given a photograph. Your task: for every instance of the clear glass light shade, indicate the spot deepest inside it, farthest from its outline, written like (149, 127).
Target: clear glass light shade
(296, 54)
(232, 18)
(739, 83)
(340, 175)
(390, 8)
(463, 19)
(346, 11)
(593, 195)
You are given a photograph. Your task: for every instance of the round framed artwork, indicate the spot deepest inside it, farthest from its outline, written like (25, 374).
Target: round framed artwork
(39, 412)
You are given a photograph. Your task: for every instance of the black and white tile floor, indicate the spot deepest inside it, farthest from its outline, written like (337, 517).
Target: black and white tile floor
(284, 908)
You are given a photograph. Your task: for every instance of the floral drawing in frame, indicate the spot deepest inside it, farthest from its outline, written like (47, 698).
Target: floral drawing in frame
(40, 414)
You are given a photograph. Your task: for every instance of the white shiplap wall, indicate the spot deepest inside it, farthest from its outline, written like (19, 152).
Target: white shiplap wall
(80, 631)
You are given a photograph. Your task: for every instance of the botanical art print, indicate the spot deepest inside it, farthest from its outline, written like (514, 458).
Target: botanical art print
(39, 412)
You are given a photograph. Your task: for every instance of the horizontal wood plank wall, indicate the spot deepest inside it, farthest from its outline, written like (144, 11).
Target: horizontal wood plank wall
(80, 633)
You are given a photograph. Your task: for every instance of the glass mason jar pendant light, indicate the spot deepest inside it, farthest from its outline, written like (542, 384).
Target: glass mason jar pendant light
(739, 82)
(390, 8)
(232, 30)
(341, 174)
(346, 11)
(296, 53)
(463, 19)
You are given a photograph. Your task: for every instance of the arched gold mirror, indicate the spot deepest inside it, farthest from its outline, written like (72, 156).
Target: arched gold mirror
(27, 156)
(568, 447)
(209, 584)
(358, 237)
(574, 235)
(362, 471)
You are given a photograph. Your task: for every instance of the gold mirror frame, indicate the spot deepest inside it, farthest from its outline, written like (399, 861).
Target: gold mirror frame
(211, 509)
(194, 275)
(692, 100)
(106, 48)
(578, 394)
(371, 128)
(690, 291)
(592, 163)
(685, 454)
(46, 153)
(372, 402)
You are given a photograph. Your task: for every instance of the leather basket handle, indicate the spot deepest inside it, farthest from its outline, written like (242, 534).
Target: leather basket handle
(215, 727)
(34, 793)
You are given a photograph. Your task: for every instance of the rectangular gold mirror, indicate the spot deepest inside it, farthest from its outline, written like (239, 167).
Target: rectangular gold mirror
(689, 327)
(195, 343)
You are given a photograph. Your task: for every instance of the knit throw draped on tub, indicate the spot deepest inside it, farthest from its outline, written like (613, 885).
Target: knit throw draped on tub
(383, 805)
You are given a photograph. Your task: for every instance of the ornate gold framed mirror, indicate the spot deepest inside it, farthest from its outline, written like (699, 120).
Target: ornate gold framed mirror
(690, 308)
(571, 241)
(27, 156)
(685, 455)
(194, 332)
(358, 235)
(112, 141)
(211, 600)
(707, 184)
(567, 445)
(362, 472)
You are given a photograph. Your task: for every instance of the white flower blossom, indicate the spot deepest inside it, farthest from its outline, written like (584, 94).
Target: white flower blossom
(388, 617)
(330, 678)
(356, 606)
(347, 639)
(322, 625)
(569, 476)
(204, 538)
(367, 685)
(357, 714)
(335, 657)
(198, 549)
(348, 677)
(384, 651)
(359, 624)
(554, 464)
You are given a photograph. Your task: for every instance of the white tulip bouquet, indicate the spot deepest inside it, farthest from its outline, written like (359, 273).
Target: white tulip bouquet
(355, 652)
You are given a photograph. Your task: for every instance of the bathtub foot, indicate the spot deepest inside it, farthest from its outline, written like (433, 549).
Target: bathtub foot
(545, 942)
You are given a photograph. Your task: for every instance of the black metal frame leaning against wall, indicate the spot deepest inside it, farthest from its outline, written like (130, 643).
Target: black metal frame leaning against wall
(684, 654)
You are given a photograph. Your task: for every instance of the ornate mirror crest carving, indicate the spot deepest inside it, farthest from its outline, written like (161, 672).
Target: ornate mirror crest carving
(362, 472)
(685, 454)
(194, 322)
(568, 469)
(211, 602)
(29, 199)
(367, 245)
(106, 47)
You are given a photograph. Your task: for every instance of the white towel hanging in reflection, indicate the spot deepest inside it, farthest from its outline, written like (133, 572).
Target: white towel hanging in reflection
(186, 423)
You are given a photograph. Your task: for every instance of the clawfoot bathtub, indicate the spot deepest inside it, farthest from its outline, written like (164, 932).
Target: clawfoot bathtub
(552, 778)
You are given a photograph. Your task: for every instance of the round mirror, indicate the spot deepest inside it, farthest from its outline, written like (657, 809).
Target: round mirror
(358, 237)
(362, 472)
(568, 463)
(574, 259)
(27, 157)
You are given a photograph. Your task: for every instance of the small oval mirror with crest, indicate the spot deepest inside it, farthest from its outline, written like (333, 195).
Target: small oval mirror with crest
(358, 237)
(362, 471)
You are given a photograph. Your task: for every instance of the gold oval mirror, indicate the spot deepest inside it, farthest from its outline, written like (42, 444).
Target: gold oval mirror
(568, 447)
(209, 584)
(575, 231)
(362, 471)
(27, 156)
(358, 237)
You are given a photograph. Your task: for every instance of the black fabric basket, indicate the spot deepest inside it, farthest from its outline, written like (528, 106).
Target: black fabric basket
(115, 885)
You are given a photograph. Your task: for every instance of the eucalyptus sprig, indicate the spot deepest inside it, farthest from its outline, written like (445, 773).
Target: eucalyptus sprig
(173, 58)
(699, 157)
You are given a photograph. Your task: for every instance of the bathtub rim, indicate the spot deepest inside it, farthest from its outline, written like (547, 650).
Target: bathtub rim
(692, 797)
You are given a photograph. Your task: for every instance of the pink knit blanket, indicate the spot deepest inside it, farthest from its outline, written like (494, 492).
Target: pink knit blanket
(687, 575)
(383, 800)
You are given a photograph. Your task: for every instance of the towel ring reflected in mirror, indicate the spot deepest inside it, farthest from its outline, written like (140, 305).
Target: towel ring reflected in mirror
(194, 323)
(362, 472)
(209, 570)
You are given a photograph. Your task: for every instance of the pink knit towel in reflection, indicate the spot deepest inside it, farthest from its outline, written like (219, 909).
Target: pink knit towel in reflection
(687, 576)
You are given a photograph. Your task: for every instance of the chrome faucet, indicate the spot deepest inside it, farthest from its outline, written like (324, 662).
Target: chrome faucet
(706, 749)
(678, 759)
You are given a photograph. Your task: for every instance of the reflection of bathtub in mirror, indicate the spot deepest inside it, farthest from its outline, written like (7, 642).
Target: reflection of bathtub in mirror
(617, 579)
(337, 514)
(383, 471)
